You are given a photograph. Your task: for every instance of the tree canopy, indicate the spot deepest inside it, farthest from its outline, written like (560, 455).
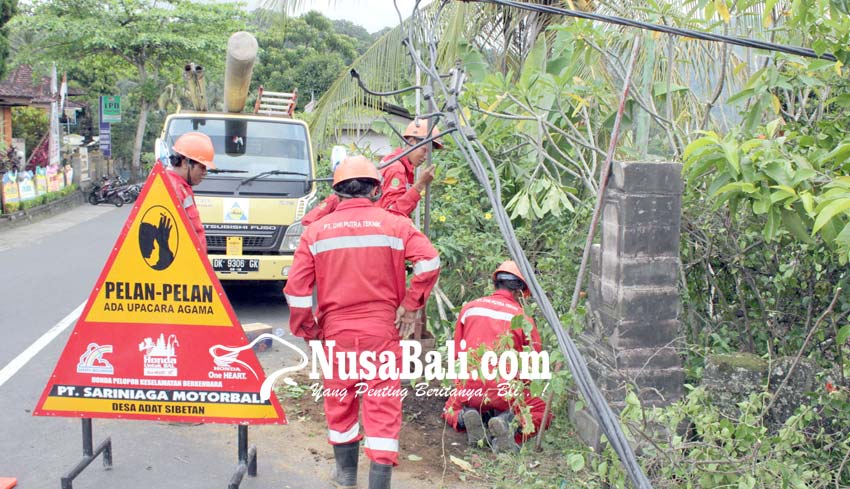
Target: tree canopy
(144, 41)
(306, 52)
(8, 8)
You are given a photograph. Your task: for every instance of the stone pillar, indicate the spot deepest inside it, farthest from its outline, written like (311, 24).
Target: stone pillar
(633, 300)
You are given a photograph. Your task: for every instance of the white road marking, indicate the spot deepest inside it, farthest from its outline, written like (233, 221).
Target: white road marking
(28, 354)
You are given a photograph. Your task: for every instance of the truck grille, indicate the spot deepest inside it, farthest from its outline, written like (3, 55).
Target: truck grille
(247, 241)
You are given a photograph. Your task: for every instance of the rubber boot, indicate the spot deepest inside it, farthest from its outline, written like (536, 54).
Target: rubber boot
(379, 476)
(345, 473)
(475, 433)
(502, 433)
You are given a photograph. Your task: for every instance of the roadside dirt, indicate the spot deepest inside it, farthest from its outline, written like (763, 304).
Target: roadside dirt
(426, 442)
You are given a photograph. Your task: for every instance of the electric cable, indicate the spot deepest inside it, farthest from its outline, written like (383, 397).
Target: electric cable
(676, 31)
(466, 141)
(597, 405)
(356, 76)
(407, 151)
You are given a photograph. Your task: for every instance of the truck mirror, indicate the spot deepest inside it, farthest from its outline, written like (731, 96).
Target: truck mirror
(338, 153)
(235, 137)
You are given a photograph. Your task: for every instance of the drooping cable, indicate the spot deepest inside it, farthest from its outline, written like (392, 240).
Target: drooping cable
(470, 148)
(677, 31)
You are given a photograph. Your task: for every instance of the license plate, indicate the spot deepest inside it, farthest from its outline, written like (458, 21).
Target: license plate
(235, 265)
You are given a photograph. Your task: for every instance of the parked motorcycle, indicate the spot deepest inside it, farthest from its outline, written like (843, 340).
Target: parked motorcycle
(130, 192)
(106, 191)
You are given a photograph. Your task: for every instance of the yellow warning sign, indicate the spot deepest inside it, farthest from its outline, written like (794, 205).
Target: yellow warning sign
(157, 277)
(143, 349)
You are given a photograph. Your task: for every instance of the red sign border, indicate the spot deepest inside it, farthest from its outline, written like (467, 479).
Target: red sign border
(159, 172)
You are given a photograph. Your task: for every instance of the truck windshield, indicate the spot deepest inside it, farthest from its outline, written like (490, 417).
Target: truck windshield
(245, 147)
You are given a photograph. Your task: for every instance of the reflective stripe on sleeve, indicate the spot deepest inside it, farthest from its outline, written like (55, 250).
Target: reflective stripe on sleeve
(299, 300)
(385, 444)
(188, 202)
(487, 313)
(424, 266)
(346, 242)
(344, 436)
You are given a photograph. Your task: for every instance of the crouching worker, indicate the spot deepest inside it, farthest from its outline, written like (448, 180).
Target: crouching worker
(355, 257)
(487, 321)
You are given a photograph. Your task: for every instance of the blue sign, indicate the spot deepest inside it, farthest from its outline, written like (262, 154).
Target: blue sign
(106, 139)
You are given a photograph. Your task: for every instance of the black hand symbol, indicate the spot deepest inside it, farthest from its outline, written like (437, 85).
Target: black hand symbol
(163, 232)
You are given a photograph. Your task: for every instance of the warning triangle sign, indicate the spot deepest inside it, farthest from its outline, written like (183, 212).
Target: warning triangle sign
(157, 338)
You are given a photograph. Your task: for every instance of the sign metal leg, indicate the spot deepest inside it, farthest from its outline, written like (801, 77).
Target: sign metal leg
(247, 459)
(89, 454)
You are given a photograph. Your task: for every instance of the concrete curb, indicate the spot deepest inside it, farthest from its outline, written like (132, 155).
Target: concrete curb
(19, 218)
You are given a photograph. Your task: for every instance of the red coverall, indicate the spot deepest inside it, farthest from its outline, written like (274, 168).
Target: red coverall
(355, 257)
(186, 198)
(484, 321)
(397, 192)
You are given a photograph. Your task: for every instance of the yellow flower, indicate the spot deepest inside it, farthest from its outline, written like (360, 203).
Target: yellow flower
(488, 216)
(442, 218)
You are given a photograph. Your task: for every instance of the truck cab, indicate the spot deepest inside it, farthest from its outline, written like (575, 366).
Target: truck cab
(252, 204)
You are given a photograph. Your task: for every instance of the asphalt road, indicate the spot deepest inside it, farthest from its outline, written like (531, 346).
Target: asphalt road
(48, 269)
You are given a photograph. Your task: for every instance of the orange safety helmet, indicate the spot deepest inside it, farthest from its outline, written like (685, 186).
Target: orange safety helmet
(510, 267)
(196, 146)
(355, 167)
(419, 129)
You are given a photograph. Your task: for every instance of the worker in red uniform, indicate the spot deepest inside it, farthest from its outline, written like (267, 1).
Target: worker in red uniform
(355, 257)
(485, 321)
(399, 192)
(193, 156)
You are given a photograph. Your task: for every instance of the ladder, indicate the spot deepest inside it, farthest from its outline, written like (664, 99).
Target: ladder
(276, 103)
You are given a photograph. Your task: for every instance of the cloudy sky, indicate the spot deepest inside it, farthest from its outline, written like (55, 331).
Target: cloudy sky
(374, 15)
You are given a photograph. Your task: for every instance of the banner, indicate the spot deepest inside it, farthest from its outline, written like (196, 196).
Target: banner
(40, 180)
(9, 189)
(54, 140)
(26, 187)
(54, 178)
(106, 139)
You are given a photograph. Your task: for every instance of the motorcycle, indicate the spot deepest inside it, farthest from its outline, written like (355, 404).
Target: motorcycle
(130, 192)
(106, 192)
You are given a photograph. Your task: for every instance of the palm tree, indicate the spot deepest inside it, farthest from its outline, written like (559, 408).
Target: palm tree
(696, 72)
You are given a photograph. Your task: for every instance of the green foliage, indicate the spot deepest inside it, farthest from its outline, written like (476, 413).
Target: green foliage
(10, 160)
(143, 40)
(8, 8)
(29, 204)
(292, 391)
(776, 239)
(31, 124)
(350, 29)
(306, 53)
